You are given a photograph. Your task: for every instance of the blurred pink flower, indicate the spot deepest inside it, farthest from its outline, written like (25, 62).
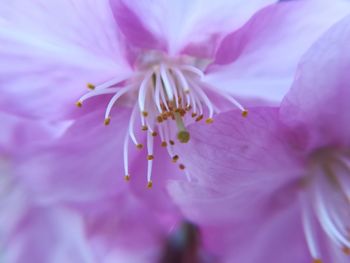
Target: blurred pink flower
(284, 173)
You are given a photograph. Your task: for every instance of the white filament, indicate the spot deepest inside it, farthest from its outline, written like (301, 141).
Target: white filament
(165, 90)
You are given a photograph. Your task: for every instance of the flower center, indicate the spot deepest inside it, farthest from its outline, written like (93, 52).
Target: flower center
(326, 202)
(168, 94)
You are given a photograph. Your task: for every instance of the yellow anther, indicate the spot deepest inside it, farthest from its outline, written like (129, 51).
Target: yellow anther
(175, 158)
(159, 119)
(194, 114)
(164, 144)
(127, 178)
(154, 134)
(199, 118)
(245, 113)
(144, 128)
(149, 184)
(145, 113)
(182, 167)
(171, 142)
(139, 146)
(150, 157)
(317, 261)
(90, 86)
(209, 120)
(79, 104)
(107, 121)
(183, 136)
(188, 108)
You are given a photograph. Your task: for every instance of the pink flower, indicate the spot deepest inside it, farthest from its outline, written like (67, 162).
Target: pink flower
(161, 60)
(284, 173)
(158, 60)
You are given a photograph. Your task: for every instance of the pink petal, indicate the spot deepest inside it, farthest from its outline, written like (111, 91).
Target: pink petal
(85, 164)
(319, 99)
(157, 199)
(277, 238)
(82, 23)
(136, 33)
(48, 235)
(236, 165)
(51, 50)
(262, 56)
(20, 133)
(183, 23)
(114, 231)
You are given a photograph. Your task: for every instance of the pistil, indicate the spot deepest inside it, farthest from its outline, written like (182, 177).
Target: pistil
(183, 135)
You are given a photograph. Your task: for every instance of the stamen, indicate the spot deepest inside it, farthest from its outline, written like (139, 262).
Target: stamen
(326, 221)
(182, 80)
(209, 121)
(90, 86)
(244, 113)
(167, 90)
(192, 69)
(199, 118)
(328, 201)
(131, 127)
(205, 98)
(175, 158)
(167, 86)
(143, 91)
(229, 98)
(309, 230)
(149, 158)
(107, 121)
(197, 103)
(164, 130)
(108, 84)
(126, 157)
(96, 92)
(157, 91)
(194, 104)
(173, 87)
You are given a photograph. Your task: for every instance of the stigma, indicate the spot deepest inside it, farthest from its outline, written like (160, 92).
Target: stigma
(325, 201)
(167, 95)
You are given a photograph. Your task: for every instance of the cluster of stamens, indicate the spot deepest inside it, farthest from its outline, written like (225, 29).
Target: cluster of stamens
(170, 95)
(327, 201)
